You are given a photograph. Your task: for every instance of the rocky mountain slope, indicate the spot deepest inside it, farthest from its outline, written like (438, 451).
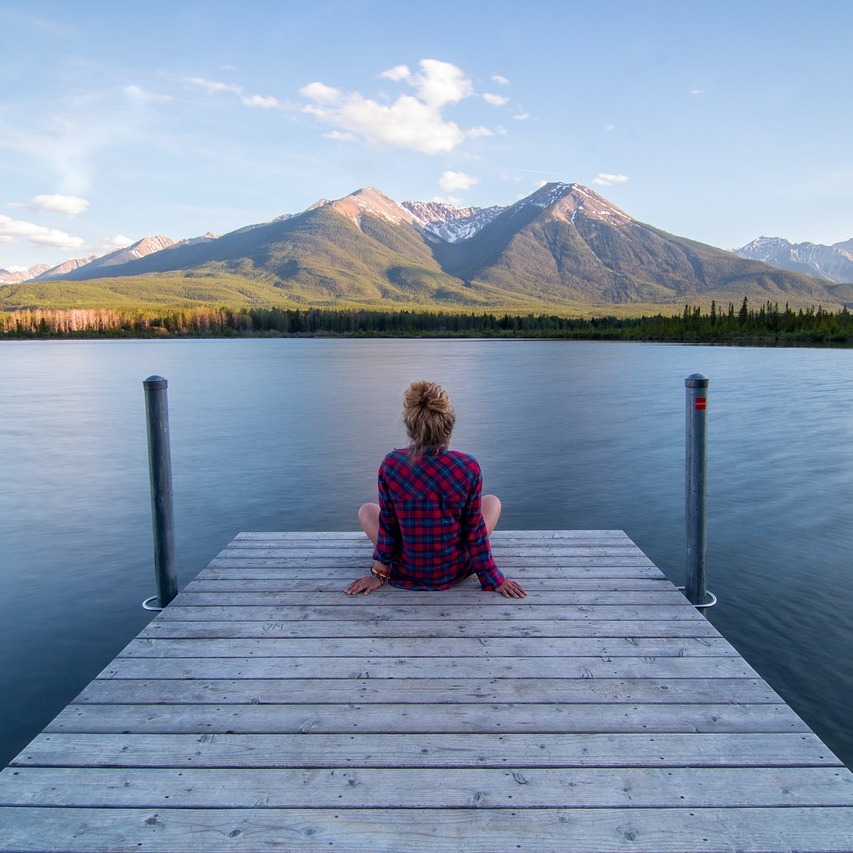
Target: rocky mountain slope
(563, 246)
(833, 263)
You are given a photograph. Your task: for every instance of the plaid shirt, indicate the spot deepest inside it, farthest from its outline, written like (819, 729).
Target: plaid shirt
(431, 528)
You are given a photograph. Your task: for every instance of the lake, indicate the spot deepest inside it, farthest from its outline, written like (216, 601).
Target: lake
(285, 434)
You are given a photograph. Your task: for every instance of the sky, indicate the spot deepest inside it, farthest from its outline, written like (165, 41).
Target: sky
(719, 121)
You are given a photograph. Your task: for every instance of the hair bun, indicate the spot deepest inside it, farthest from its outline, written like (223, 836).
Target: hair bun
(428, 414)
(427, 396)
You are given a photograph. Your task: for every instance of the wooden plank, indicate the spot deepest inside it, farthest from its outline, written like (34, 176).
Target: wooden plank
(533, 568)
(477, 830)
(591, 667)
(509, 550)
(396, 628)
(337, 585)
(370, 609)
(427, 690)
(441, 788)
(497, 537)
(397, 718)
(430, 647)
(497, 750)
(660, 594)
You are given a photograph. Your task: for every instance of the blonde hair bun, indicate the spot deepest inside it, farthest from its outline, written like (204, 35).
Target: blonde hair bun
(428, 414)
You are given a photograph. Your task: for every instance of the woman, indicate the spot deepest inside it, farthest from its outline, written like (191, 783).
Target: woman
(431, 526)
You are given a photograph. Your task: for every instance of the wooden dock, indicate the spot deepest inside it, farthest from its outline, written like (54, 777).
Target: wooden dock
(266, 710)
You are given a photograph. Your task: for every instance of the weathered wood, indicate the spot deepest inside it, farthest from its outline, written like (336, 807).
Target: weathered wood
(430, 647)
(415, 667)
(346, 568)
(393, 628)
(257, 691)
(266, 709)
(497, 750)
(369, 608)
(478, 830)
(658, 594)
(396, 718)
(313, 586)
(440, 788)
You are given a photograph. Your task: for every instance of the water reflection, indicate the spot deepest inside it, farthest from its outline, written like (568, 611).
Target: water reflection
(288, 434)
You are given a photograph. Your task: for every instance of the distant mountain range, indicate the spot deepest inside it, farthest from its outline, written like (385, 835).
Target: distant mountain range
(564, 246)
(831, 263)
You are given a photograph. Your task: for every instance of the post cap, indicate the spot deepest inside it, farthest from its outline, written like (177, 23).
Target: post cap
(155, 383)
(696, 380)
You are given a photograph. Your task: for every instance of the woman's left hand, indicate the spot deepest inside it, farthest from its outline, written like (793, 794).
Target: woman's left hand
(511, 589)
(366, 585)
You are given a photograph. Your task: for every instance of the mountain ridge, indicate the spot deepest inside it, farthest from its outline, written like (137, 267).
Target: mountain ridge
(832, 263)
(563, 246)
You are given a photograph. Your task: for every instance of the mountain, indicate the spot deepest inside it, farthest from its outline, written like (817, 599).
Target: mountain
(448, 223)
(833, 263)
(63, 269)
(94, 267)
(564, 247)
(10, 277)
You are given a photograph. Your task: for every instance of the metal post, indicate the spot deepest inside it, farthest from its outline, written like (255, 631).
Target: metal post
(160, 467)
(695, 491)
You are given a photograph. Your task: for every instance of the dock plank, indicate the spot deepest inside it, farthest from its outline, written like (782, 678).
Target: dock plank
(264, 709)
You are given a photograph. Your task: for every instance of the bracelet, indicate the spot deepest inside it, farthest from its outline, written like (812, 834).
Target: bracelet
(378, 577)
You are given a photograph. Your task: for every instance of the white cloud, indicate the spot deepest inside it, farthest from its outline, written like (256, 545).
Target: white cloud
(140, 94)
(69, 205)
(11, 230)
(610, 127)
(500, 80)
(414, 122)
(265, 102)
(455, 181)
(522, 116)
(605, 180)
(215, 87)
(340, 136)
(695, 91)
(110, 244)
(478, 132)
(495, 100)
(321, 93)
(397, 73)
(441, 83)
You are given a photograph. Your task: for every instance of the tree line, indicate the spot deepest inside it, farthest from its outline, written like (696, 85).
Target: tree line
(767, 324)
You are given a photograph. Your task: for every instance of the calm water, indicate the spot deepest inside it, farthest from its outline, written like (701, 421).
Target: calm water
(287, 435)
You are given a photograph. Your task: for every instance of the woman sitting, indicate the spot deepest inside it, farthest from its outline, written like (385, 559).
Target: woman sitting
(431, 526)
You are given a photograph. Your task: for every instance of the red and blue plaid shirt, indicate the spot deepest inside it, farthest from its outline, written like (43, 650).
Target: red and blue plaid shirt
(431, 528)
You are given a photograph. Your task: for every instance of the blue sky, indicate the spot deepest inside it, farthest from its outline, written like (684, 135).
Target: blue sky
(719, 121)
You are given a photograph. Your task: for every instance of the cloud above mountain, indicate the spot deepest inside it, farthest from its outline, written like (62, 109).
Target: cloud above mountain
(604, 179)
(412, 121)
(68, 205)
(14, 230)
(455, 181)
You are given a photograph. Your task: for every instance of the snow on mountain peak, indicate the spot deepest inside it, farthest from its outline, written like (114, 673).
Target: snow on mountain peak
(565, 201)
(449, 223)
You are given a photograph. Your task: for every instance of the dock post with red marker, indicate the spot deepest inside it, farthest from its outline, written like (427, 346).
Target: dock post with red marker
(696, 487)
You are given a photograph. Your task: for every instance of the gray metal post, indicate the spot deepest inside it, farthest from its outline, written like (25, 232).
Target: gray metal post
(160, 467)
(696, 487)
